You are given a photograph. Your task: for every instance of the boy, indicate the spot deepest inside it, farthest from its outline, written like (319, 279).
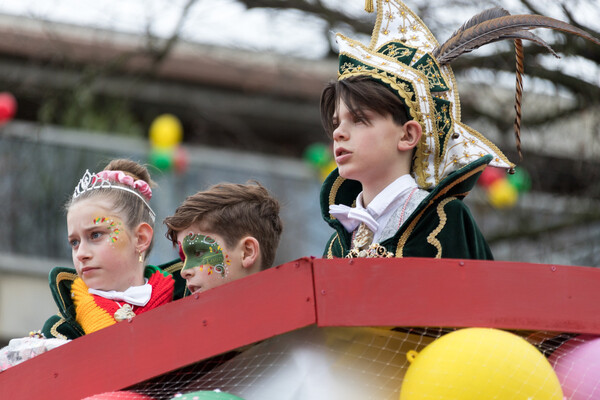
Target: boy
(405, 161)
(225, 233)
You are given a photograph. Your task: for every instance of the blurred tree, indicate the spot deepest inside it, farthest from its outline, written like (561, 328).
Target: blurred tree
(83, 107)
(444, 16)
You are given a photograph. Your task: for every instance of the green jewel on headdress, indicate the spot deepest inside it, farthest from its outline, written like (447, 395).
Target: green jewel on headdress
(405, 56)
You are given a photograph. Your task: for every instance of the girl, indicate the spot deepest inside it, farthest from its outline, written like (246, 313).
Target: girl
(110, 230)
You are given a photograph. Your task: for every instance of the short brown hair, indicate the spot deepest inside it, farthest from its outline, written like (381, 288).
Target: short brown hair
(360, 93)
(232, 211)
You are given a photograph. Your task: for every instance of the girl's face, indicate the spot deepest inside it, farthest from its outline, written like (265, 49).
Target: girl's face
(103, 247)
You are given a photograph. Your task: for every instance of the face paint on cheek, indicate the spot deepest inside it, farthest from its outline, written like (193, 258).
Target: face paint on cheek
(114, 228)
(204, 251)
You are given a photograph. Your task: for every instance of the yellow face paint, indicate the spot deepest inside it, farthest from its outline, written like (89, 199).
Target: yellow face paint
(113, 226)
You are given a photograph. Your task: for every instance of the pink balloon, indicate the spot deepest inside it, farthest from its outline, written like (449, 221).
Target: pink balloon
(577, 365)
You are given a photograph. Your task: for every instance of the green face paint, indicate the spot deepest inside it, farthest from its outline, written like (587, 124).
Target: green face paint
(203, 251)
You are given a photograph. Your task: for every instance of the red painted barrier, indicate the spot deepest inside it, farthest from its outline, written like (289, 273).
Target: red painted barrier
(457, 293)
(176, 334)
(382, 292)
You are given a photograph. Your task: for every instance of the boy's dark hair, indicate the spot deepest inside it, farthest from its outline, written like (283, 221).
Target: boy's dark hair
(359, 93)
(232, 211)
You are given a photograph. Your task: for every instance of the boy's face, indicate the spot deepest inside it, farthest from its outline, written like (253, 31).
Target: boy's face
(208, 261)
(366, 150)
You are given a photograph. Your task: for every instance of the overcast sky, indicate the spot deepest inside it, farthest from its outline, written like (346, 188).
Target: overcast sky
(227, 22)
(223, 22)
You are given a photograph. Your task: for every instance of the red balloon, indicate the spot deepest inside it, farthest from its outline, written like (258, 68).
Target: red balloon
(8, 107)
(181, 159)
(491, 175)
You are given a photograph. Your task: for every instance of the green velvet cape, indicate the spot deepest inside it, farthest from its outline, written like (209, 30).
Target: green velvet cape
(441, 226)
(64, 325)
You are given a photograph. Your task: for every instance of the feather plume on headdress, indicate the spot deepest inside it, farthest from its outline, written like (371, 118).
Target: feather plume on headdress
(497, 24)
(405, 56)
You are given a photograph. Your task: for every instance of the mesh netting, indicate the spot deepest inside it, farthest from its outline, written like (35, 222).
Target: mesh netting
(372, 363)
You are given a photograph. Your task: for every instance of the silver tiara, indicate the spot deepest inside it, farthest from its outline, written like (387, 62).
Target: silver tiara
(91, 181)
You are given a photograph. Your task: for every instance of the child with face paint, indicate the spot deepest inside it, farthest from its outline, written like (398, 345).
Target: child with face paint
(225, 233)
(110, 230)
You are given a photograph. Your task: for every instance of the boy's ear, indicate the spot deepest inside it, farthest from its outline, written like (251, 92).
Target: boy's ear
(143, 234)
(250, 251)
(411, 134)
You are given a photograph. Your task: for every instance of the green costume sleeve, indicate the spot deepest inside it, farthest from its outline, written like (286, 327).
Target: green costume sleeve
(62, 325)
(58, 327)
(333, 248)
(461, 237)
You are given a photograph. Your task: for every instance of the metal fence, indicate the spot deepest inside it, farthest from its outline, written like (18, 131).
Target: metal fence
(40, 166)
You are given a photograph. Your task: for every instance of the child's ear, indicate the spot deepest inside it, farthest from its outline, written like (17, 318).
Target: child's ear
(411, 134)
(143, 234)
(250, 251)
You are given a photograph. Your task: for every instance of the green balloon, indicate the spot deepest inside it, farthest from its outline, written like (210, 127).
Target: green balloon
(161, 159)
(317, 154)
(520, 180)
(207, 395)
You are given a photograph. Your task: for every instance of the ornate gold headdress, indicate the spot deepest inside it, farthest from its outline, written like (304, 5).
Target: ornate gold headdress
(405, 56)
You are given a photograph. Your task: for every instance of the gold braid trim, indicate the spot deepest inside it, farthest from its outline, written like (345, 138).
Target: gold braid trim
(64, 276)
(334, 189)
(408, 232)
(54, 328)
(432, 239)
(330, 250)
(89, 315)
(174, 268)
(454, 91)
(404, 238)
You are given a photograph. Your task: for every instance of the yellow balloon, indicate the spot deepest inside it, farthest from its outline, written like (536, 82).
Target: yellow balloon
(326, 170)
(502, 194)
(480, 364)
(166, 131)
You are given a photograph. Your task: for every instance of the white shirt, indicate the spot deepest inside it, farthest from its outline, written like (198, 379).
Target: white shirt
(377, 215)
(135, 295)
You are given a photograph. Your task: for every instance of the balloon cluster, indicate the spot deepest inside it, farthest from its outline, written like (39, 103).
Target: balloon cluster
(503, 189)
(319, 156)
(480, 363)
(8, 107)
(166, 152)
(485, 363)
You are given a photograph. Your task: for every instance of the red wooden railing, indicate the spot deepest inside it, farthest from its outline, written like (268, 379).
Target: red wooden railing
(361, 292)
